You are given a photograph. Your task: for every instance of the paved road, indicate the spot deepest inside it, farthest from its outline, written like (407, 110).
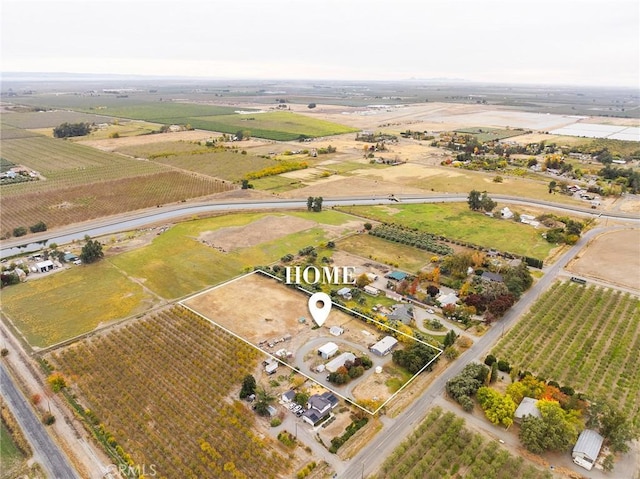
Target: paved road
(400, 427)
(139, 219)
(47, 453)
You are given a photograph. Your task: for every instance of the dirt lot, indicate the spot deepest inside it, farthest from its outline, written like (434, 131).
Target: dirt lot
(611, 257)
(274, 311)
(267, 229)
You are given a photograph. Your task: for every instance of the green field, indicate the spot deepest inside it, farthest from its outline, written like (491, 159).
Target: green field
(441, 447)
(226, 164)
(68, 303)
(457, 222)
(586, 337)
(10, 456)
(276, 184)
(277, 125)
(193, 266)
(406, 258)
(65, 304)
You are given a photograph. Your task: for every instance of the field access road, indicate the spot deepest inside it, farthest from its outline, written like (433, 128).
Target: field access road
(46, 452)
(370, 458)
(142, 218)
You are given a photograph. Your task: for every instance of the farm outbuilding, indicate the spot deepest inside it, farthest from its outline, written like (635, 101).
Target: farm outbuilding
(371, 290)
(586, 450)
(396, 275)
(336, 330)
(44, 266)
(384, 346)
(344, 292)
(328, 350)
(271, 367)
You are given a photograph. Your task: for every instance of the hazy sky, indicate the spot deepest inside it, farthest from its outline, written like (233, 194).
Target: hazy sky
(558, 42)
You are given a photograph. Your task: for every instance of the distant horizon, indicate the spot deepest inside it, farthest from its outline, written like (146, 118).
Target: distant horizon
(78, 75)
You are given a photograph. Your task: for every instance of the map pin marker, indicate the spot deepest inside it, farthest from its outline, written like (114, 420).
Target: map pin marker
(320, 314)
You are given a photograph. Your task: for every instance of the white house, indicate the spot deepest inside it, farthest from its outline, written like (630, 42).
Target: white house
(384, 346)
(328, 350)
(333, 365)
(447, 299)
(586, 450)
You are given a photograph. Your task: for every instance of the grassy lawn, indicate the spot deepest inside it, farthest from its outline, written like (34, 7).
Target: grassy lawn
(406, 258)
(276, 184)
(400, 377)
(68, 303)
(456, 221)
(10, 455)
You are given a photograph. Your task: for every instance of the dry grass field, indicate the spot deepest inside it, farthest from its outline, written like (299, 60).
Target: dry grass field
(613, 257)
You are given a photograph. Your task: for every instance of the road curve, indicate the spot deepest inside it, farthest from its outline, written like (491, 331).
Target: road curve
(53, 461)
(142, 218)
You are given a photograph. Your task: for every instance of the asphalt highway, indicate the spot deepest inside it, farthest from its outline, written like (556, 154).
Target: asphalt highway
(139, 219)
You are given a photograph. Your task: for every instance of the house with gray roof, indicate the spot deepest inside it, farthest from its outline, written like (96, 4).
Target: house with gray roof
(402, 313)
(527, 407)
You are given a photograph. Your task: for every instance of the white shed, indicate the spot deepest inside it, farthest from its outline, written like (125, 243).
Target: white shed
(336, 330)
(586, 450)
(328, 350)
(44, 266)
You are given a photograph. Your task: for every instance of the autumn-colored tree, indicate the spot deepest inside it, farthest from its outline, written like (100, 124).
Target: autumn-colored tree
(413, 287)
(499, 409)
(363, 280)
(464, 289)
(56, 381)
(527, 387)
(435, 275)
(478, 258)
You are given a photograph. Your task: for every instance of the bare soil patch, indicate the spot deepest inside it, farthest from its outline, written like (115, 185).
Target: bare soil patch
(260, 231)
(612, 257)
